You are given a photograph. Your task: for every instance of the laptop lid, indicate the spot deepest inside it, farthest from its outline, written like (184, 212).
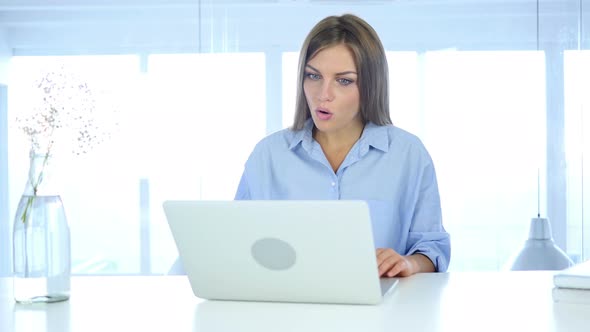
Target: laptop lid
(287, 251)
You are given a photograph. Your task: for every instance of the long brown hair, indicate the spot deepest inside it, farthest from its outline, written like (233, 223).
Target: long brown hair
(370, 60)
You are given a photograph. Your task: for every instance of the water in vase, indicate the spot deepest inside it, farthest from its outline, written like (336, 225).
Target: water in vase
(41, 241)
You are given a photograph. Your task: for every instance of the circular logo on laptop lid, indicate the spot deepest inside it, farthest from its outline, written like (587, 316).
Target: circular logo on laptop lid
(273, 253)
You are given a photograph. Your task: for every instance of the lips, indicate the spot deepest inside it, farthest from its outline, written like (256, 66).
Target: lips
(323, 114)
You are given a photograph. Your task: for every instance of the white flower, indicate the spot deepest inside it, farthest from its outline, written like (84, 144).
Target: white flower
(64, 112)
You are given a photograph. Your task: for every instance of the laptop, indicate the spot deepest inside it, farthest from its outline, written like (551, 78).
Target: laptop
(281, 251)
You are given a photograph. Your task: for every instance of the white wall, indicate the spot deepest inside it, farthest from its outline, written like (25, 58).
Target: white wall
(4, 217)
(5, 53)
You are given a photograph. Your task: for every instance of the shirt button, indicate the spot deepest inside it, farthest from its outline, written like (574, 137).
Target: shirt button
(333, 184)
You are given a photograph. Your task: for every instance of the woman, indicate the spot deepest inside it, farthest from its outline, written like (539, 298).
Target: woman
(342, 145)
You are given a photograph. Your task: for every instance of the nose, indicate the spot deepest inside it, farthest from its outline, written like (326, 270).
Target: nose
(326, 92)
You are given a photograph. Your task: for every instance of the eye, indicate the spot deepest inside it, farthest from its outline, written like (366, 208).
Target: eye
(312, 76)
(344, 81)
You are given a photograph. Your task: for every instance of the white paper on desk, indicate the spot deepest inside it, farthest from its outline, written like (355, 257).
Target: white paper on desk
(571, 295)
(577, 276)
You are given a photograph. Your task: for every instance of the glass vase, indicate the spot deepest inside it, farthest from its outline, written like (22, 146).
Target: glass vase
(41, 239)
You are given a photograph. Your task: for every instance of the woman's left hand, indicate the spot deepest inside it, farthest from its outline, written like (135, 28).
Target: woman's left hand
(392, 264)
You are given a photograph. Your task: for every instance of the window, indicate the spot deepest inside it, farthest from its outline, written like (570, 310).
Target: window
(577, 127)
(484, 124)
(179, 133)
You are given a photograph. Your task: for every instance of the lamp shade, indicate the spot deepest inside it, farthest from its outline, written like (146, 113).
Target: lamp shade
(539, 251)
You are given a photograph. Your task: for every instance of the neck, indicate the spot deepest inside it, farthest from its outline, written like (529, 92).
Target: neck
(343, 139)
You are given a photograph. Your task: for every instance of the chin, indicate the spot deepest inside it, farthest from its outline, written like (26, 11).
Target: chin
(320, 125)
(323, 126)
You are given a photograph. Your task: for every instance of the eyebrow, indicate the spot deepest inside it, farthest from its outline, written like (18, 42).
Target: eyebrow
(337, 74)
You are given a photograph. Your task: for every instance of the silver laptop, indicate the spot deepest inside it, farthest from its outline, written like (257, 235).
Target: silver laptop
(285, 251)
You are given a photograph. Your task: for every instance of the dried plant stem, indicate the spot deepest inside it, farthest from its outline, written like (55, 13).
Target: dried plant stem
(29, 204)
(36, 183)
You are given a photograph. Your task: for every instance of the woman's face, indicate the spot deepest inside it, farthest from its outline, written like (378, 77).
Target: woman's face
(331, 90)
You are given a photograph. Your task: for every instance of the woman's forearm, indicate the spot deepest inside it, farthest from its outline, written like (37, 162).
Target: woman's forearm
(421, 263)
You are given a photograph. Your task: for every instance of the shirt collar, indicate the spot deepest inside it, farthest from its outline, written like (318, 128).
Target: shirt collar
(375, 136)
(303, 136)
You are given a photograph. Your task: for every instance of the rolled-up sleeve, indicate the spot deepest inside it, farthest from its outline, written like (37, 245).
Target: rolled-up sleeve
(427, 235)
(434, 245)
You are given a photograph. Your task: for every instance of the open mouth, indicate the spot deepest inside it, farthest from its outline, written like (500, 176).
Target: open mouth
(323, 114)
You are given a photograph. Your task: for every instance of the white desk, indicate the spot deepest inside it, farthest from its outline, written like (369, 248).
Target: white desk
(505, 301)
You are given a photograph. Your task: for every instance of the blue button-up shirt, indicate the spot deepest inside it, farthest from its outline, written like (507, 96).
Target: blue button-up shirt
(387, 167)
